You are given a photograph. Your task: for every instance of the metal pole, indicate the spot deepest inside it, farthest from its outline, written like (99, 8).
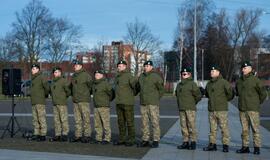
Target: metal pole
(202, 65)
(195, 42)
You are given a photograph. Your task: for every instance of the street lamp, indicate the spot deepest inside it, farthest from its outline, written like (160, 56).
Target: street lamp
(195, 42)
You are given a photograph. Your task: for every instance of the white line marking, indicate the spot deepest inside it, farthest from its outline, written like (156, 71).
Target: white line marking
(72, 115)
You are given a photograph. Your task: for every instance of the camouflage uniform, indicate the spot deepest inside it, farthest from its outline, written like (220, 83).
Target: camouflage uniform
(102, 120)
(219, 118)
(188, 95)
(219, 92)
(151, 90)
(60, 91)
(39, 90)
(251, 94)
(39, 119)
(81, 84)
(102, 95)
(60, 120)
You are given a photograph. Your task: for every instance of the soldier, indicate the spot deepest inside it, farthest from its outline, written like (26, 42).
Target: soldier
(102, 95)
(125, 85)
(81, 85)
(219, 92)
(251, 94)
(151, 90)
(60, 92)
(188, 95)
(39, 91)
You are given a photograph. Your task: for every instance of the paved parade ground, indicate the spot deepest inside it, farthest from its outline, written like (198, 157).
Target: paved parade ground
(171, 137)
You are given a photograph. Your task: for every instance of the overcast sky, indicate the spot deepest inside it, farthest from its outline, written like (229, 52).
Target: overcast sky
(106, 19)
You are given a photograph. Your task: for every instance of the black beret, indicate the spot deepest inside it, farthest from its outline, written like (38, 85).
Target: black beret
(35, 65)
(76, 61)
(148, 63)
(122, 62)
(56, 68)
(99, 71)
(186, 69)
(215, 67)
(246, 64)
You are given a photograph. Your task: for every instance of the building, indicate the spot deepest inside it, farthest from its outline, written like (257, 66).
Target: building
(115, 52)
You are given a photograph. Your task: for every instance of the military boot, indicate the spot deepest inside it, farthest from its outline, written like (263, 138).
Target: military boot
(155, 144)
(41, 139)
(34, 137)
(55, 139)
(256, 150)
(243, 150)
(184, 145)
(210, 147)
(64, 138)
(143, 144)
(75, 139)
(225, 148)
(192, 145)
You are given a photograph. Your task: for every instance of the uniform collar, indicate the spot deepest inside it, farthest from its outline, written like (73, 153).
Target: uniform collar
(186, 80)
(36, 75)
(56, 79)
(216, 79)
(244, 77)
(96, 81)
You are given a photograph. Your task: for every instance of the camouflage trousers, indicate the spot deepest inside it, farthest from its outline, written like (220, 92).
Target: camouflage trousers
(150, 114)
(102, 122)
(219, 118)
(39, 119)
(250, 119)
(60, 120)
(125, 117)
(82, 119)
(188, 125)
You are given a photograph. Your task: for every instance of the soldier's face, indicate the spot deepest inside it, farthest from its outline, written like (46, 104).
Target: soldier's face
(98, 76)
(214, 73)
(77, 67)
(147, 68)
(185, 75)
(57, 73)
(121, 67)
(34, 70)
(246, 70)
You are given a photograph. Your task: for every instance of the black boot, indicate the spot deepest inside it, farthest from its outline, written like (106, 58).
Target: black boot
(155, 144)
(55, 139)
(225, 148)
(118, 143)
(64, 138)
(210, 147)
(184, 145)
(243, 150)
(256, 150)
(192, 145)
(143, 144)
(35, 138)
(41, 139)
(75, 139)
(86, 139)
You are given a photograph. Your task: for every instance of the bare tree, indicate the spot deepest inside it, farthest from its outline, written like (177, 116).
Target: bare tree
(244, 26)
(142, 40)
(62, 37)
(30, 29)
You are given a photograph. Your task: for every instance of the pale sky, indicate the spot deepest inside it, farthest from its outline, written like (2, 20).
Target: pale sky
(106, 19)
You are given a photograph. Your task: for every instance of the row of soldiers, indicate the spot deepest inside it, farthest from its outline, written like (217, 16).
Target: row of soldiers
(126, 87)
(251, 93)
(150, 86)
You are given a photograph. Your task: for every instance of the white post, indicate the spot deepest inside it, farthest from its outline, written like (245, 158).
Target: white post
(195, 42)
